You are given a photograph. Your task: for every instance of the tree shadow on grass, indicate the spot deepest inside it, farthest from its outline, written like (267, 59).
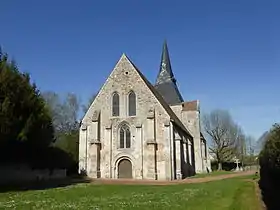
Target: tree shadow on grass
(43, 184)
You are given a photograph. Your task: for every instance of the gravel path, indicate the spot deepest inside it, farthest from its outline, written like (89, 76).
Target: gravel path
(184, 181)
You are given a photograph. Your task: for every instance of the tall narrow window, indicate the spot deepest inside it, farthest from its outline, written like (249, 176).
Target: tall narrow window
(131, 104)
(122, 132)
(116, 104)
(125, 137)
(205, 149)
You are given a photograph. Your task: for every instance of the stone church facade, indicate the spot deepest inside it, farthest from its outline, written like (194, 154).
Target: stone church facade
(137, 130)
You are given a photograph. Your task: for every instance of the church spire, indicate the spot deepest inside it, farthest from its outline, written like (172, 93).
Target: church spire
(166, 82)
(165, 72)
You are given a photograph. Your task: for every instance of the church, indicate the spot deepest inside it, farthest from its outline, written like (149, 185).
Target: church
(137, 130)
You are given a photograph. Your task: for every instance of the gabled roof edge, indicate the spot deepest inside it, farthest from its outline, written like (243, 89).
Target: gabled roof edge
(172, 115)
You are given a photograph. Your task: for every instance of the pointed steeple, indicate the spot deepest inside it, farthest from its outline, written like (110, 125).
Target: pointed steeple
(166, 82)
(165, 71)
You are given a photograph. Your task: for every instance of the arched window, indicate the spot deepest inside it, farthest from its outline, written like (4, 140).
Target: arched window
(125, 137)
(116, 104)
(131, 104)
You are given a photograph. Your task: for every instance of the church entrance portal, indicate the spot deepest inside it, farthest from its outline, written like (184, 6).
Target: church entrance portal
(125, 169)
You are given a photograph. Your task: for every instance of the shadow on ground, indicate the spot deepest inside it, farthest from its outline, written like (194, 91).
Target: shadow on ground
(269, 184)
(43, 184)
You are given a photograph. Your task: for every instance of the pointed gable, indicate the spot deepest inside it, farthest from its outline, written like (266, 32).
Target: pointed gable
(116, 77)
(88, 112)
(166, 82)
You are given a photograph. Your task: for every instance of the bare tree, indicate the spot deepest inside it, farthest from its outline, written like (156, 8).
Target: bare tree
(223, 132)
(250, 145)
(85, 107)
(250, 141)
(64, 111)
(71, 107)
(240, 146)
(53, 102)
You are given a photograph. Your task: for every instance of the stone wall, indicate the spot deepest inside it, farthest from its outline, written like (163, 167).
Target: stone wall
(15, 174)
(191, 120)
(150, 149)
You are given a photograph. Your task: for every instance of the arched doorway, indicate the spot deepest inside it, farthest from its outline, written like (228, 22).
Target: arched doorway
(125, 169)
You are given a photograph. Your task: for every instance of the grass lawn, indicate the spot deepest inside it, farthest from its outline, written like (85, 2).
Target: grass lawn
(233, 194)
(214, 173)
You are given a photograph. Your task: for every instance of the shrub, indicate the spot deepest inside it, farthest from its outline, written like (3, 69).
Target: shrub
(270, 169)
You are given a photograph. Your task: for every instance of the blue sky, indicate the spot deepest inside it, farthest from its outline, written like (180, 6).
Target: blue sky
(224, 53)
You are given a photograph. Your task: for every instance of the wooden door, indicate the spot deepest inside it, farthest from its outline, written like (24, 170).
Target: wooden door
(125, 169)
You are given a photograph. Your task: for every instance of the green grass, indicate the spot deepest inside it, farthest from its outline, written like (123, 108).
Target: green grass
(232, 194)
(214, 173)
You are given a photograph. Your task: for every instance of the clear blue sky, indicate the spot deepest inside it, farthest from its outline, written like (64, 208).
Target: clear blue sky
(224, 53)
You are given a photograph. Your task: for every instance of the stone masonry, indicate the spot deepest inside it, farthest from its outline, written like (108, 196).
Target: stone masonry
(160, 144)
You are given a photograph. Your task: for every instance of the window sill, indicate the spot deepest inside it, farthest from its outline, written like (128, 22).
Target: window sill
(124, 149)
(122, 117)
(114, 117)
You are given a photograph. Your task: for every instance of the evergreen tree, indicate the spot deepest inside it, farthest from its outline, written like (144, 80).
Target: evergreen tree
(25, 121)
(270, 169)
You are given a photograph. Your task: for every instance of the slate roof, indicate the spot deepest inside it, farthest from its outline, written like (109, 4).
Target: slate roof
(169, 92)
(161, 100)
(165, 71)
(166, 82)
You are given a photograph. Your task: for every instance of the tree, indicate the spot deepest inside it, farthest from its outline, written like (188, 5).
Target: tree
(223, 132)
(25, 119)
(250, 145)
(69, 143)
(269, 160)
(241, 146)
(90, 101)
(65, 117)
(271, 151)
(64, 111)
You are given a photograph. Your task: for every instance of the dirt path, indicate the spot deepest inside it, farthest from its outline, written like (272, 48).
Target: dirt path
(184, 181)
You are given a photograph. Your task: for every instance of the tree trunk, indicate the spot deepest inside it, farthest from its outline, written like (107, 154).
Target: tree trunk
(220, 166)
